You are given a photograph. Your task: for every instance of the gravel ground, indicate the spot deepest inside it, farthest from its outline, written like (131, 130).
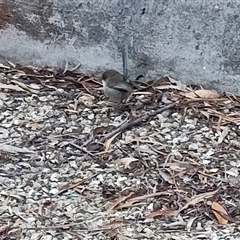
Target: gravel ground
(165, 165)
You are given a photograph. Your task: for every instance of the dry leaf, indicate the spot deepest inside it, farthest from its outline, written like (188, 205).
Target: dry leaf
(197, 199)
(122, 199)
(223, 135)
(73, 185)
(163, 213)
(176, 212)
(169, 87)
(34, 126)
(112, 225)
(126, 161)
(219, 212)
(13, 149)
(180, 85)
(24, 86)
(35, 86)
(4, 230)
(99, 130)
(3, 66)
(108, 142)
(11, 87)
(132, 201)
(87, 100)
(19, 74)
(3, 96)
(179, 166)
(189, 224)
(167, 177)
(206, 94)
(141, 93)
(222, 115)
(11, 64)
(121, 237)
(206, 114)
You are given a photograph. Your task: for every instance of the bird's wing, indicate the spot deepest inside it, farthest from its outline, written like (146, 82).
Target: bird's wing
(123, 86)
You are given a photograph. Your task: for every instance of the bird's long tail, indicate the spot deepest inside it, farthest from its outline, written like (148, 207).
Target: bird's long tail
(125, 62)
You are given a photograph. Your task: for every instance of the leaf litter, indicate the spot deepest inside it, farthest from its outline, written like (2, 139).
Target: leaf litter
(165, 165)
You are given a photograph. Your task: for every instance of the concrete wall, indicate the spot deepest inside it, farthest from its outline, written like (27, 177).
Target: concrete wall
(192, 41)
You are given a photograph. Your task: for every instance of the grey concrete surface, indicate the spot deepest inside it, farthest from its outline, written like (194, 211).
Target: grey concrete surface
(196, 42)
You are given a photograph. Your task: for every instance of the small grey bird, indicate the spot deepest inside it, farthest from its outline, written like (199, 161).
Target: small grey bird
(115, 87)
(115, 84)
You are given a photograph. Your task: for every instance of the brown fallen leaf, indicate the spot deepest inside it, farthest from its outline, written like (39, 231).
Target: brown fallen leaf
(178, 83)
(107, 146)
(190, 223)
(11, 87)
(126, 161)
(86, 87)
(141, 93)
(27, 70)
(10, 63)
(219, 213)
(4, 66)
(119, 201)
(121, 237)
(223, 135)
(108, 142)
(99, 130)
(217, 125)
(131, 203)
(13, 149)
(73, 185)
(24, 86)
(112, 225)
(3, 96)
(166, 176)
(202, 93)
(169, 87)
(162, 213)
(170, 212)
(4, 230)
(34, 126)
(223, 116)
(87, 100)
(205, 114)
(137, 200)
(4, 157)
(197, 199)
